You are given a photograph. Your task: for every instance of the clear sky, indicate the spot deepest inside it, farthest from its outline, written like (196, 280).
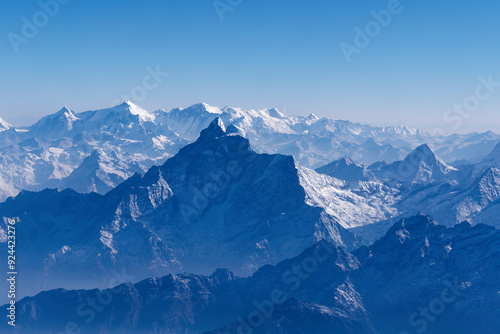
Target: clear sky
(421, 61)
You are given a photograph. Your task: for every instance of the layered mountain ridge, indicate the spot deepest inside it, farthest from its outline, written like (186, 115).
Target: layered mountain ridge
(419, 276)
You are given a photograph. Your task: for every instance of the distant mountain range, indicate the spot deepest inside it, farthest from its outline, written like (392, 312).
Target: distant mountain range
(66, 149)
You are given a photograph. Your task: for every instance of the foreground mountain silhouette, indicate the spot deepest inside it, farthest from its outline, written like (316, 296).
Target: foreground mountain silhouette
(419, 276)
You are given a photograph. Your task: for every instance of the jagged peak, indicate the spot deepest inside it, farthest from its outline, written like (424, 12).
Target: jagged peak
(371, 142)
(424, 153)
(348, 161)
(65, 110)
(424, 148)
(214, 130)
(129, 103)
(420, 222)
(67, 113)
(60, 121)
(95, 157)
(274, 112)
(223, 275)
(214, 137)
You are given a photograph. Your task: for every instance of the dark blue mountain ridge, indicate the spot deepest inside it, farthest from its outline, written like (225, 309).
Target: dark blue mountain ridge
(419, 277)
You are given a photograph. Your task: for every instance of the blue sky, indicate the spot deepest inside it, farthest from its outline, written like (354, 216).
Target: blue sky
(284, 54)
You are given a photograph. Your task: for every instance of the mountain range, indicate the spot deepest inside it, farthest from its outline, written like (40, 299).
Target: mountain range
(107, 200)
(64, 150)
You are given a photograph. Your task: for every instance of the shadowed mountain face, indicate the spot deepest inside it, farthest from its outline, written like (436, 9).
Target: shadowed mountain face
(419, 277)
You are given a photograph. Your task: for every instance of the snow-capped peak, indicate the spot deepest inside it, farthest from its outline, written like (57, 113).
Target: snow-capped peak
(312, 118)
(126, 112)
(54, 125)
(422, 166)
(68, 114)
(423, 153)
(211, 109)
(64, 110)
(276, 113)
(4, 125)
(138, 111)
(214, 130)
(203, 107)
